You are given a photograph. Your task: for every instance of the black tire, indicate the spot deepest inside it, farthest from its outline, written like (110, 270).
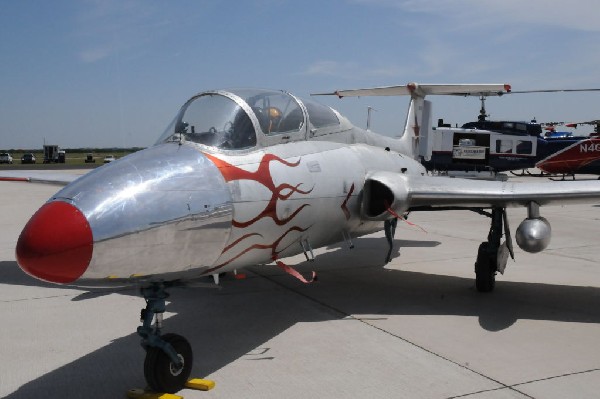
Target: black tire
(485, 269)
(159, 371)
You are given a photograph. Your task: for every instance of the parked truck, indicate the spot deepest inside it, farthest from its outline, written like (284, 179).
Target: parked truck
(53, 154)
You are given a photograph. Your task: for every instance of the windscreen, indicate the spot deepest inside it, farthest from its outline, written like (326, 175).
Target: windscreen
(320, 115)
(213, 120)
(277, 112)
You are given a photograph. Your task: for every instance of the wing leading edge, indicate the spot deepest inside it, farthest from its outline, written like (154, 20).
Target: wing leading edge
(443, 191)
(46, 177)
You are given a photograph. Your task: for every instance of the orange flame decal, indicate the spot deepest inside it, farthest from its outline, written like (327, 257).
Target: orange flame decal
(263, 176)
(278, 192)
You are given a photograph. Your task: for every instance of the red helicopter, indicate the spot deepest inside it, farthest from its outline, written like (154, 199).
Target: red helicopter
(581, 157)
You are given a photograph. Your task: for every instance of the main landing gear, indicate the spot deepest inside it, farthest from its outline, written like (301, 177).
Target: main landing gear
(492, 256)
(169, 357)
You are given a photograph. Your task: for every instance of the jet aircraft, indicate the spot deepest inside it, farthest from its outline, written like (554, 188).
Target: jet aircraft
(247, 177)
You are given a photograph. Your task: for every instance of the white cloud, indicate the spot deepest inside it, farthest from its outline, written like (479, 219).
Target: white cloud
(326, 68)
(353, 70)
(581, 15)
(94, 54)
(574, 14)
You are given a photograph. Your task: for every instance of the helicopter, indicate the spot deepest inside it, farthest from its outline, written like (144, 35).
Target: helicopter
(580, 157)
(496, 146)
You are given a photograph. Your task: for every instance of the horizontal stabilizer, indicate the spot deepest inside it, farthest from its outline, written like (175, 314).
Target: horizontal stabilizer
(423, 90)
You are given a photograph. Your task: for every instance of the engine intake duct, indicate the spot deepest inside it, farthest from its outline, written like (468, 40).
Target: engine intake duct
(383, 191)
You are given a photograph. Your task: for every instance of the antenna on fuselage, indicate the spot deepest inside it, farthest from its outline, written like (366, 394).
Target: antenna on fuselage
(369, 109)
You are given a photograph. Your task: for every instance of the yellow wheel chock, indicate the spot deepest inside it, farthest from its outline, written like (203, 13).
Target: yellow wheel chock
(195, 383)
(200, 384)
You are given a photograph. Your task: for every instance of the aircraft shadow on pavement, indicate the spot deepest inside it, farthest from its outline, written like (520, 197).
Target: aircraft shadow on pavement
(234, 323)
(10, 273)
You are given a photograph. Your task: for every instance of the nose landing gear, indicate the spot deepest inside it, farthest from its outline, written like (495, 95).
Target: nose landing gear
(169, 357)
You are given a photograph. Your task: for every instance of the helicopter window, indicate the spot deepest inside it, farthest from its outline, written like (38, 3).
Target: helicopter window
(214, 120)
(276, 111)
(524, 147)
(320, 115)
(504, 146)
(521, 127)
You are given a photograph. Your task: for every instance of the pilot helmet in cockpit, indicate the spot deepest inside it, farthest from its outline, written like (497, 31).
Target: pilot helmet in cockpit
(274, 118)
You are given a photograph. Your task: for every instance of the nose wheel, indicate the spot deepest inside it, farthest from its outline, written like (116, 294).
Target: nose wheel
(164, 375)
(169, 357)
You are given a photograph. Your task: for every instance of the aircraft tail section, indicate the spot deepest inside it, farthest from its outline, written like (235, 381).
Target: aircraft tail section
(414, 139)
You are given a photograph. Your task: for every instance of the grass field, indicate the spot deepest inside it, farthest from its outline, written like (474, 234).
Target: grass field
(72, 159)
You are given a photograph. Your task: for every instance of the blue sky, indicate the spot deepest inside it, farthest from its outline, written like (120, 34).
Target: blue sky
(114, 73)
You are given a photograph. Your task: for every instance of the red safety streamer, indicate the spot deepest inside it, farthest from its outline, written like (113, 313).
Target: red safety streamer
(393, 213)
(293, 272)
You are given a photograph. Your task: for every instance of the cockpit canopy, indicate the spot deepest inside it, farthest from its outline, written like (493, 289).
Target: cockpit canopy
(244, 118)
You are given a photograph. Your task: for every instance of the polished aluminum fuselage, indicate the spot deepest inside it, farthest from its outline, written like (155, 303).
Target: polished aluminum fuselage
(163, 209)
(178, 210)
(309, 192)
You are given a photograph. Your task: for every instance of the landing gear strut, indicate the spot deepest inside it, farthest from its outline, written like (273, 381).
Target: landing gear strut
(169, 357)
(492, 255)
(389, 226)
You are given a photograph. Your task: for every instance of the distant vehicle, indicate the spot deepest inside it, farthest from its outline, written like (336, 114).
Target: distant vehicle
(5, 157)
(109, 158)
(53, 154)
(89, 158)
(28, 158)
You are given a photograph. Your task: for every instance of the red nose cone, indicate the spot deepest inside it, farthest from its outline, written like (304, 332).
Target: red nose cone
(56, 244)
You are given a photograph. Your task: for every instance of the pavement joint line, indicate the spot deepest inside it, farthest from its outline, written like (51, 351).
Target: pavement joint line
(37, 298)
(571, 247)
(527, 383)
(364, 321)
(491, 390)
(557, 376)
(553, 253)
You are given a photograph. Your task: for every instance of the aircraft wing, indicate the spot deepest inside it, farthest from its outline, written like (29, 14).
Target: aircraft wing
(40, 176)
(443, 191)
(402, 193)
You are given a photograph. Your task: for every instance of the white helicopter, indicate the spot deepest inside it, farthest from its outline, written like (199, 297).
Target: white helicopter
(246, 177)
